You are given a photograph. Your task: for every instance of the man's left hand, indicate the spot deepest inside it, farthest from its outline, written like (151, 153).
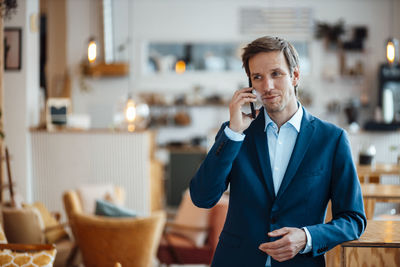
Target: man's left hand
(292, 241)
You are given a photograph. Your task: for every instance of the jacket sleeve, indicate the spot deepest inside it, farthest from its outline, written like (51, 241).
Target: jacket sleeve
(212, 178)
(348, 216)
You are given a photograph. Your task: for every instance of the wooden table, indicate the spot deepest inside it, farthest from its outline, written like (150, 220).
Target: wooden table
(378, 246)
(378, 192)
(371, 173)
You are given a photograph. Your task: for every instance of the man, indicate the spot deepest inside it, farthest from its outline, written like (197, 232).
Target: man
(282, 167)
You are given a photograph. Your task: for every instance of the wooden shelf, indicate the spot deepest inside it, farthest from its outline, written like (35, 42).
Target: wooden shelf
(102, 69)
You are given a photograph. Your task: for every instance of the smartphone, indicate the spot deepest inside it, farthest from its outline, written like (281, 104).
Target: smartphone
(253, 110)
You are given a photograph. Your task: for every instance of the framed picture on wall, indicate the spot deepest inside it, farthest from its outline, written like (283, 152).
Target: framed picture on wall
(57, 110)
(12, 48)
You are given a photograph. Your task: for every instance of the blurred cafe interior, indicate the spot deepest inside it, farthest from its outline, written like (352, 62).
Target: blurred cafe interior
(108, 107)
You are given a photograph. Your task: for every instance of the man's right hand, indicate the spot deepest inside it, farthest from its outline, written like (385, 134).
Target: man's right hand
(240, 121)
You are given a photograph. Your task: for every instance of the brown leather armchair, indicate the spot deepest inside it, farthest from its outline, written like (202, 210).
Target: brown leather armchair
(178, 245)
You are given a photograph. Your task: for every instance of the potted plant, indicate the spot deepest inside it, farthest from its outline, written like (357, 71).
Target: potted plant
(7, 7)
(330, 33)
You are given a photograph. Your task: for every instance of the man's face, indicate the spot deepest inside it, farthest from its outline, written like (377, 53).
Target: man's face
(271, 78)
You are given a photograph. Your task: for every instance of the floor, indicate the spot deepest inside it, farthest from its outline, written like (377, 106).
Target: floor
(187, 265)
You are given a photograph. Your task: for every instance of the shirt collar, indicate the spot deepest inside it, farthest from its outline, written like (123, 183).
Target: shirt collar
(295, 120)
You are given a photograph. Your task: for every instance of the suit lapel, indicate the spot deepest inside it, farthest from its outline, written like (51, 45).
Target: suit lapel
(261, 145)
(303, 141)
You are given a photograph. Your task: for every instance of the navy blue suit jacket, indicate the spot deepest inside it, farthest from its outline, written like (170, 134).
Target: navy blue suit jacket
(320, 169)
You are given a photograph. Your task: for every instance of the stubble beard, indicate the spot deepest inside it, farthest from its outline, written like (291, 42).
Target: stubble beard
(276, 107)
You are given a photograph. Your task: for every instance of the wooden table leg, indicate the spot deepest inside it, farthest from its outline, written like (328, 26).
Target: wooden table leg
(369, 205)
(343, 249)
(374, 179)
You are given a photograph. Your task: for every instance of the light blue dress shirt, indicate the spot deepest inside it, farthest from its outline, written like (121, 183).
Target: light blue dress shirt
(280, 147)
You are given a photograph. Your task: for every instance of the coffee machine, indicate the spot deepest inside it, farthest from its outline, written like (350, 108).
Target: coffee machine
(389, 92)
(388, 99)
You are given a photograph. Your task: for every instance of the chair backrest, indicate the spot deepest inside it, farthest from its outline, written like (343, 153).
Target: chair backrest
(190, 215)
(129, 241)
(217, 221)
(74, 202)
(88, 194)
(23, 225)
(212, 220)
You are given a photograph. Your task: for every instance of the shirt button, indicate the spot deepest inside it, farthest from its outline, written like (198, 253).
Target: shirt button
(280, 142)
(276, 168)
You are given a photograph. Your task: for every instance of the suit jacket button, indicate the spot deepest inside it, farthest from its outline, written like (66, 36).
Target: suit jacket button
(273, 220)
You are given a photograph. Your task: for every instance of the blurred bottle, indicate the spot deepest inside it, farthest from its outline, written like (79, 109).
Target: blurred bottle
(387, 105)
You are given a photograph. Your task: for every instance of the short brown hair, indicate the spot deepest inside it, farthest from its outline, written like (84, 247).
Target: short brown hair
(270, 44)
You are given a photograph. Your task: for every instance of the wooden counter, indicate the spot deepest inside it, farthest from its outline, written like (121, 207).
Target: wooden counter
(378, 192)
(378, 246)
(375, 171)
(381, 191)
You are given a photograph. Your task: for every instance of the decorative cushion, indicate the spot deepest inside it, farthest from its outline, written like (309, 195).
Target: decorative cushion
(105, 208)
(88, 194)
(58, 232)
(43, 258)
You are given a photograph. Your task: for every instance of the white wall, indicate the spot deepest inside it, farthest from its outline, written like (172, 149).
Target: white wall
(21, 98)
(174, 20)
(179, 20)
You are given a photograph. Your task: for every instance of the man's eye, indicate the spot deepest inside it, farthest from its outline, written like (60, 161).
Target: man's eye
(276, 74)
(256, 77)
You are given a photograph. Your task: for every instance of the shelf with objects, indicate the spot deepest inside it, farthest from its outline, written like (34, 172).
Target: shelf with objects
(175, 110)
(217, 59)
(183, 57)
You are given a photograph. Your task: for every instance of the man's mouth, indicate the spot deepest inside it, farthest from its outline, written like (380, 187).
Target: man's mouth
(270, 97)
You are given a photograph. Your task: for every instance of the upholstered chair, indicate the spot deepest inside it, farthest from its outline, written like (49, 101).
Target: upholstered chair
(129, 241)
(36, 255)
(34, 224)
(192, 237)
(103, 241)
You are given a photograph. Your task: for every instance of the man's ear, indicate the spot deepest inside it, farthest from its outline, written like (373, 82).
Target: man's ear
(295, 76)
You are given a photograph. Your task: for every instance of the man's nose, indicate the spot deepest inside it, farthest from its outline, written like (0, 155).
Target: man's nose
(268, 84)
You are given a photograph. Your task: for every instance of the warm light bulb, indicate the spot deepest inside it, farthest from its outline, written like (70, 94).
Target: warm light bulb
(130, 111)
(390, 52)
(131, 128)
(180, 67)
(92, 51)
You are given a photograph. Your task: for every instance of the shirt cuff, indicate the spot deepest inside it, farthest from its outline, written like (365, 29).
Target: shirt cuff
(234, 136)
(308, 246)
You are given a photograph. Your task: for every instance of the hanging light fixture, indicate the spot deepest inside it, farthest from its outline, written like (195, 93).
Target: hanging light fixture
(130, 110)
(130, 113)
(92, 50)
(136, 111)
(392, 50)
